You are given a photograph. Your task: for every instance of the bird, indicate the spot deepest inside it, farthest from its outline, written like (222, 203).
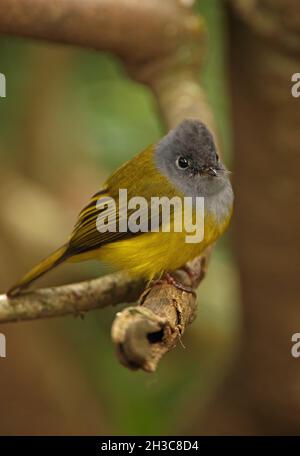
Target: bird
(183, 164)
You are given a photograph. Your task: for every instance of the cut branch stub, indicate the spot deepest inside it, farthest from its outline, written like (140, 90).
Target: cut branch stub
(143, 334)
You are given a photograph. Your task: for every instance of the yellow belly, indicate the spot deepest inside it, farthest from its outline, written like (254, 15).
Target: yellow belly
(150, 254)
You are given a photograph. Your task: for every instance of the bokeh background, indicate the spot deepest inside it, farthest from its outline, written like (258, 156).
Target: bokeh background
(70, 117)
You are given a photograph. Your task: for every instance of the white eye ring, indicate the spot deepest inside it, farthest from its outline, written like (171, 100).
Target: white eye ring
(182, 163)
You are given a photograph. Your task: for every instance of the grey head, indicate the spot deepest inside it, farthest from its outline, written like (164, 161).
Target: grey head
(187, 156)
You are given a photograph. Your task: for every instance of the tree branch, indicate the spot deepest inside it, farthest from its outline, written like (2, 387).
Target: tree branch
(71, 299)
(162, 45)
(134, 30)
(144, 333)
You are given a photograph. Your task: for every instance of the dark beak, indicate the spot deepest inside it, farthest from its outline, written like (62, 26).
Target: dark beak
(209, 171)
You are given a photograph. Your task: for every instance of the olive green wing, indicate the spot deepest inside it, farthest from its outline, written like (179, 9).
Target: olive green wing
(102, 211)
(139, 177)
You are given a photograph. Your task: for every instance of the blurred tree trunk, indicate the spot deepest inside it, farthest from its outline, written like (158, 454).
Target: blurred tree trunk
(262, 395)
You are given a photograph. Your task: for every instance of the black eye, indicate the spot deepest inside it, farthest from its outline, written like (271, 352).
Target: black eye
(182, 163)
(217, 157)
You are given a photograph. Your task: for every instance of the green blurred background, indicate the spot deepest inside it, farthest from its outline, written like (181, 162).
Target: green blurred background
(71, 117)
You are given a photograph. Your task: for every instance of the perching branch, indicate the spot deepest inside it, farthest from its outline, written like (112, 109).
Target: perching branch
(71, 299)
(162, 45)
(144, 333)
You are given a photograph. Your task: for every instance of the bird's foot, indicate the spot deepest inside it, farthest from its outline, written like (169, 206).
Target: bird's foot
(169, 279)
(180, 286)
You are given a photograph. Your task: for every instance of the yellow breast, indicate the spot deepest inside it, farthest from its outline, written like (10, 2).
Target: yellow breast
(150, 254)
